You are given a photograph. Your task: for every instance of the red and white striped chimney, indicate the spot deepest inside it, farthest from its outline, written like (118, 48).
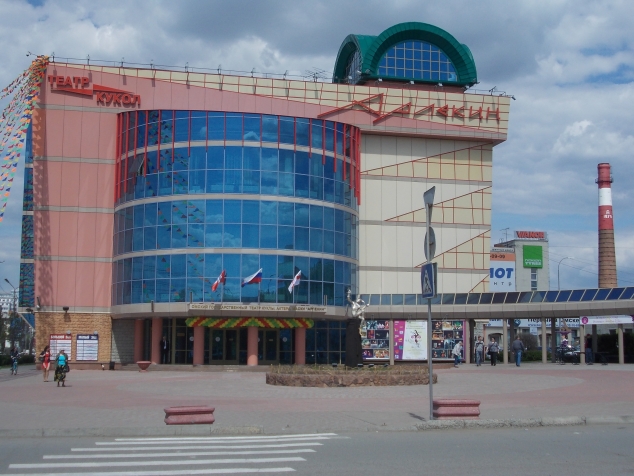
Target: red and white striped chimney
(607, 257)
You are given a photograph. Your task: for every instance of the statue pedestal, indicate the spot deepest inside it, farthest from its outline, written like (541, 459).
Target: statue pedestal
(354, 355)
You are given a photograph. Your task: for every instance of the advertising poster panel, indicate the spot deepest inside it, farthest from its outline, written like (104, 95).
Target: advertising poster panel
(502, 270)
(87, 346)
(571, 322)
(445, 334)
(58, 342)
(589, 320)
(410, 340)
(375, 340)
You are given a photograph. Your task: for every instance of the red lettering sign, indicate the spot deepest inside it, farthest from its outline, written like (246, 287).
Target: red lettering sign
(104, 94)
(535, 235)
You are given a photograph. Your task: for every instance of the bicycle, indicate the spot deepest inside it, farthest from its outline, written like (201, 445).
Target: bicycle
(14, 366)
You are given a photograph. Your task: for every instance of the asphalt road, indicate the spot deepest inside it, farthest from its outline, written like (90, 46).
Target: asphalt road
(544, 451)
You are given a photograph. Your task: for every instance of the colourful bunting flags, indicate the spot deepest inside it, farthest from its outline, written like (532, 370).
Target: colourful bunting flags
(15, 121)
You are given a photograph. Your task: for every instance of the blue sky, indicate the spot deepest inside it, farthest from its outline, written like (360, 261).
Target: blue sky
(569, 63)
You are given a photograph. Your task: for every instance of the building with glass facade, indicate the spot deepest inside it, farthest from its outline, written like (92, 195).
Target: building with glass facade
(152, 195)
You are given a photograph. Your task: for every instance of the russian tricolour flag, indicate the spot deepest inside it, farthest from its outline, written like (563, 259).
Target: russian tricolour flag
(253, 279)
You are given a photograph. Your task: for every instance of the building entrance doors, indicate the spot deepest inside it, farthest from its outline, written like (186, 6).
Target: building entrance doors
(224, 346)
(268, 348)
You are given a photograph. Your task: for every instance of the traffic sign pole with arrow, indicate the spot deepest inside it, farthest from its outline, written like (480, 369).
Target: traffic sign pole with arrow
(428, 278)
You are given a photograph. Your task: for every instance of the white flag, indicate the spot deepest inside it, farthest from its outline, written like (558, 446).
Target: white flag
(295, 281)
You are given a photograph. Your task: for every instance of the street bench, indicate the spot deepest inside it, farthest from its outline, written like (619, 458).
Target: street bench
(189, 415)
(454, 409)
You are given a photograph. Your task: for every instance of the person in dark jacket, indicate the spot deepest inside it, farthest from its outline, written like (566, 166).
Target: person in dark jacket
(517, 347)
(589, 355)
(493, 351)
(165, 351)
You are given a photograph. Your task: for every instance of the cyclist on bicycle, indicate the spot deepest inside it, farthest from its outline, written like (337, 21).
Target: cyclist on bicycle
(15, 355)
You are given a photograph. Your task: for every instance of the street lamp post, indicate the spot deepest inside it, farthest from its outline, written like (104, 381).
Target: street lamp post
(558, 265)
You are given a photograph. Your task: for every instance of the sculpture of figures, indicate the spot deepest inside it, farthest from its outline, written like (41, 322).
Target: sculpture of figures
(358, 308)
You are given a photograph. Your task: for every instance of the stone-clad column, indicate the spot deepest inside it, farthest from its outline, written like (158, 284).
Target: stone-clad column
(252, 346)
(300, 346)
(504, 345)
(138, 340)
(157, 331)
(544, 341)
(199, 345)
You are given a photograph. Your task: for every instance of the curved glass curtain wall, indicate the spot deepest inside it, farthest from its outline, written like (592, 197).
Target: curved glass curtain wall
(191, 152)
(417, 60)
(193, 157)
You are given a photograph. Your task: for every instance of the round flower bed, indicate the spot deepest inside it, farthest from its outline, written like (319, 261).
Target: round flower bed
(325, 376)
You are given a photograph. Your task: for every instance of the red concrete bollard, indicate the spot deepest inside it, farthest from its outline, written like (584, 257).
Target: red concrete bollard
(450, 409)
(189, 415)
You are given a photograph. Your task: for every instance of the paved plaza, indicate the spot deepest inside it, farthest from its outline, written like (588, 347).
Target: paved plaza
(133, 402)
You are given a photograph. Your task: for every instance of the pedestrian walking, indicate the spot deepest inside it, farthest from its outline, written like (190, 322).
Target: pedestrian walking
(518, 348)
(15, 356)
(494, 348)
(61, 368)
(45, 358)
(589, 355)
(479, 351)
(457, 353)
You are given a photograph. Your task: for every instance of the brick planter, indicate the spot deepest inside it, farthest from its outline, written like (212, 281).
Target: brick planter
(189, 415)
(450, 409)
(349, 379)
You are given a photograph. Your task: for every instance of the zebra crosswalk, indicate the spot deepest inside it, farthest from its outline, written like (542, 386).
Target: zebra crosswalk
(172, 456)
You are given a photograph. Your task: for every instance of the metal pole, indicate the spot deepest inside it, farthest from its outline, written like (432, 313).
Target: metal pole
(429, 327)
(558, 266)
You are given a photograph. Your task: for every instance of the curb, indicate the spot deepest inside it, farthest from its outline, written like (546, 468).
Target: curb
(168, 430)
(521, 423)
(208, 430)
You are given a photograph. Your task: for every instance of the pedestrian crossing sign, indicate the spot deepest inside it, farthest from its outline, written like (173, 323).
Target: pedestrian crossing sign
(428, 275)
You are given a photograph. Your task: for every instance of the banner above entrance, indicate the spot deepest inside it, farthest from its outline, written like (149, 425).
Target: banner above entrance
(233, 322)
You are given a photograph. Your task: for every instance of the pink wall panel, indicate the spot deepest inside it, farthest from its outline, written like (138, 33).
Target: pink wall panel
(84, 286)
(53, 132)
(296, 109)
(64, 282)
(107, 136)
(73, 283)
(47, 183)
(72, 133)
(46, 225)
(230, 102)
(86, 225)
(247, 103)
(90, 123)
(103, 235)
(70, 184)
(213, 100)
(279, 108)
(263, 105)
(161, 95)
(67, 239)
(101, 284)
(105, 186)
(86, 189)
(180, 96)
(196, 98)
(45, 277)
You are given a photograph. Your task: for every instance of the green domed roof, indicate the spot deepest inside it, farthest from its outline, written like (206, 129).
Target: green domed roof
(372, 49)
